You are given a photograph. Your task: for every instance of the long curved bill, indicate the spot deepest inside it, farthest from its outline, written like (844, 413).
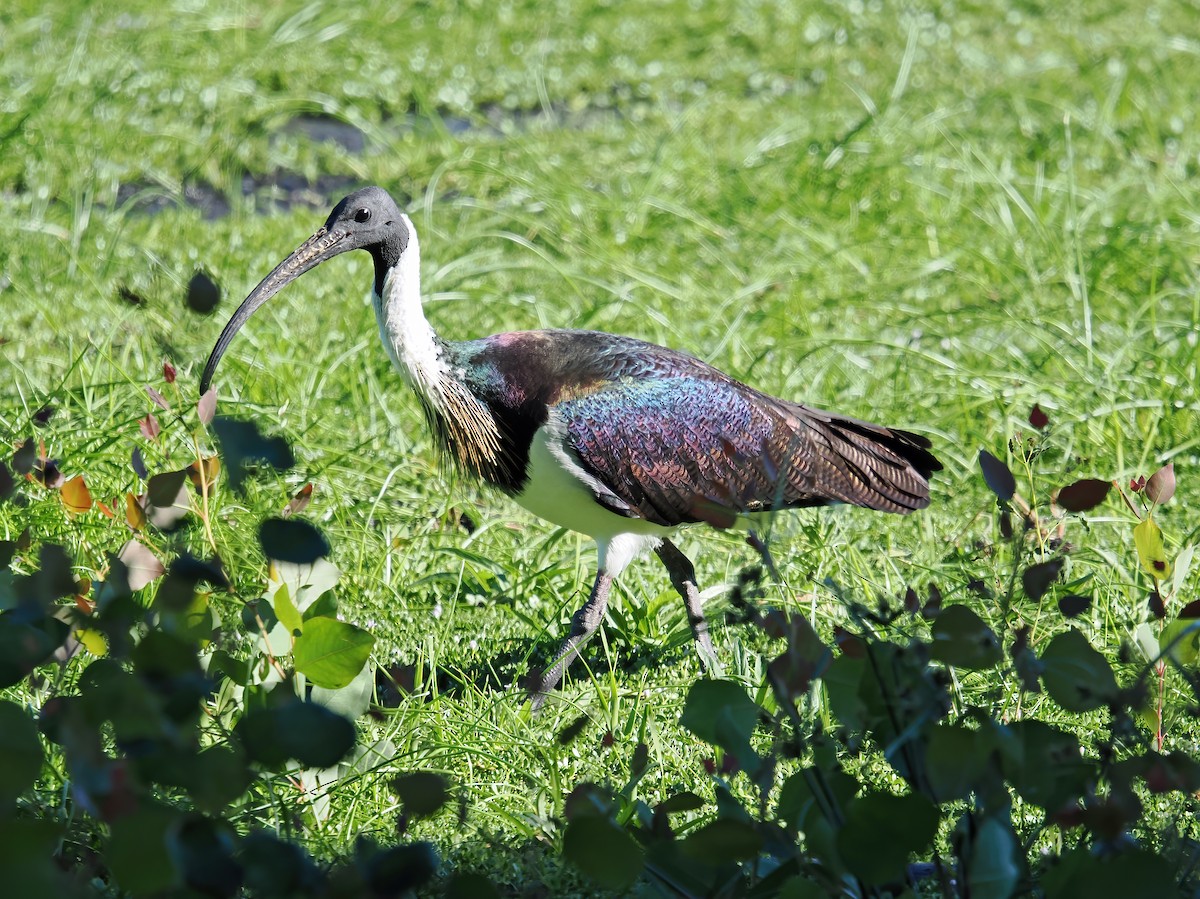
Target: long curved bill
(321, 246)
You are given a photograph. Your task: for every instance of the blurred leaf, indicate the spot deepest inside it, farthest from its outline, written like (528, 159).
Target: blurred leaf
(721, 841)
(1071, 605)
(304, 731)
(47, 473)
(24, 457)
(7, 484)
(1076, 676)
(1036, 579)
(1148, 540)
(797, 800)
(421, 792)
(167, 500)
(137, 850)
(135, 515)
(469, 885)
(714, 705)
(1183, 565)
(398, 870)
(686, 801)
(962, 639)
(603, 851)
(203, 294)
(882, 831)
(20, 752)
(992, 869)
(1187, 632)
(93, 641)
(76, 496)
(203, 853)
(143, 566)
(997, 476)
(802, 888)
(206, 408)
(567, 735)
(1160, 486)
(242, 445)
(299, 502)
(1083, 495)
(955, 759)
(292, 540)
(331, 653)
(24, 646)
(169, 373)
(276, 868)
(1081, 874)
(1038, 418)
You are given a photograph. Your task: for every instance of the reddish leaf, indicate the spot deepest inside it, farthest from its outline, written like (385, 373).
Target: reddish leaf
(149, 426)
(168, 372)
(76, 496)
(999, 479)
(1136, 484)
(1160, 486)
(105, 509)
(158, 399)
(207, 407)
(1083, 495)
(299, 502)
(1038, 418)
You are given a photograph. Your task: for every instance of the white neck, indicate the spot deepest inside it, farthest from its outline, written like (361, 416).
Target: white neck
(406, 334)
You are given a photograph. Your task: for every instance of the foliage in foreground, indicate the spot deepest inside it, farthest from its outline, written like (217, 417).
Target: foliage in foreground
(173, 731)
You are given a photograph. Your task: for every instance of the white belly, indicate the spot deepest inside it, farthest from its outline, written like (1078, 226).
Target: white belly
(560, 491)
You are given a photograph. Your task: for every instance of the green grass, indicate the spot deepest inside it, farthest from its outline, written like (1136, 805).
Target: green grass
(932, 218)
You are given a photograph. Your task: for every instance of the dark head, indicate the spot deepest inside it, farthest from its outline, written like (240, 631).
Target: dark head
(367, 219)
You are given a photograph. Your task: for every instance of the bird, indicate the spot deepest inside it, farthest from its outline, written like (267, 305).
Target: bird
(618, 439)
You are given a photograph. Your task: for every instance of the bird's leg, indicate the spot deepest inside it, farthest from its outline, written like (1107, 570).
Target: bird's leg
(583, 625)
(683, 577)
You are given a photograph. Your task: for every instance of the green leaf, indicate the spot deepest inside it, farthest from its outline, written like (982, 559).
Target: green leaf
(1076, 676)
(27, 857)
(304, 731)
(470, 885)
(882, 831)
(331, 653)
(603, 851)
(217, 777)
(1148, 539)
(137, 850)
(997, 476)
(723, 840)
(719, 712)
(352, 700)
(992, 870)
(962, 639)
(797, 799)
(954, 761)
(286, 611)
(1044, 764)
(20, 752)
(802, 888)
(1187, 632)
(1080, 874)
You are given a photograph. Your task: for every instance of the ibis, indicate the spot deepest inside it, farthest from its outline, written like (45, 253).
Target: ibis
(615, 438)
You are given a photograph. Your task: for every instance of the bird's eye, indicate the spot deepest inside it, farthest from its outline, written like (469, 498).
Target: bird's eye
(362, 215)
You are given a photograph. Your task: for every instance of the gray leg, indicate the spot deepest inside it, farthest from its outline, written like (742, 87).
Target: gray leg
(683, 577)
(583, 625)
